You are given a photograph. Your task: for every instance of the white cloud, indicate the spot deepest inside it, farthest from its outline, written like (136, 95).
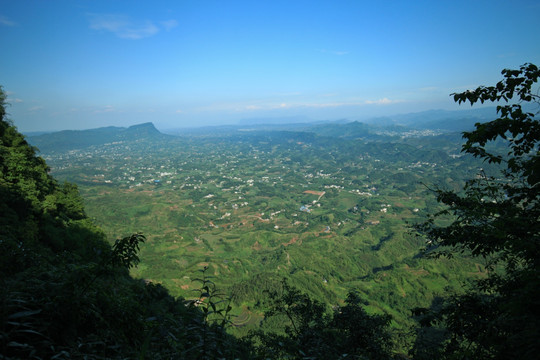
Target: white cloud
(169, 24)
(105, 109)
(328, 105)
(126, 28)
(313, 105)
(263, 105)
(6, 22)
(383, 101)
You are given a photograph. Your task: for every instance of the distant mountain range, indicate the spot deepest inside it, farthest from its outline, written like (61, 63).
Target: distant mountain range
(458, 120)
(430, 119)
(79, 139)
(440, 121)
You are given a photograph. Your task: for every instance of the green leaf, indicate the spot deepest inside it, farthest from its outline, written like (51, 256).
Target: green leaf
(23, 314)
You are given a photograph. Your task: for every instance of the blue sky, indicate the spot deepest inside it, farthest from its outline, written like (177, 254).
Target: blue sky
(86, 64)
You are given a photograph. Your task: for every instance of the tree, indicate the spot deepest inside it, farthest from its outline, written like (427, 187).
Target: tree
(496, 218)
(312, 332)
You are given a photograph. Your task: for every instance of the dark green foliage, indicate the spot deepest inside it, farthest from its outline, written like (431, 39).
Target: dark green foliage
(213, 341)
(124, 251)
(312, 332)
(359, 334)
(495, 218)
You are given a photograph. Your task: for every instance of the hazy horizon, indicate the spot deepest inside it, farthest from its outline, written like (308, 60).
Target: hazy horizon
(89, 64)
(432, 115)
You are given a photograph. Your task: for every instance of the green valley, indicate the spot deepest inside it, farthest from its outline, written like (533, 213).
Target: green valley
(330, 213)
